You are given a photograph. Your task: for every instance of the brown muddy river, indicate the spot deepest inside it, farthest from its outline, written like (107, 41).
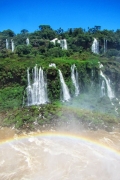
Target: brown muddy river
(88, 155)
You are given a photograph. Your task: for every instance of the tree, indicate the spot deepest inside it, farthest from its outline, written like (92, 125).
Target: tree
(59, 31)
(23, 49)
(70, 31)
(46, 32)
(97, 28)
(8, 33)
(78, 31)
(94, 29)
(24, 31)
(44, 27)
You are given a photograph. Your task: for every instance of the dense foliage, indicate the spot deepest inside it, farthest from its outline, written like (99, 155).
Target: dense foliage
(79, 40)
(13, 77)
(40, 51)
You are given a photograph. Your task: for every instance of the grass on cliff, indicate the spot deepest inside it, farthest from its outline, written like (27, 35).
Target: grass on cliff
(35, 116)
(11, 97)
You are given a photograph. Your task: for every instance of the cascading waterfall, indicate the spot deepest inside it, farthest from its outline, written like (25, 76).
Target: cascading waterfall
(52, 65)
(64, 88)
(110, 93)
(54, 41)
(12, 44)
(27, 41)
(74, 77)
(109, 89)
(58, 41)
(63, 44)
(7, 44)
(92, 77)
(37, 90)
(95, 46)
(103, 88)
(92, 73)
(105, 45)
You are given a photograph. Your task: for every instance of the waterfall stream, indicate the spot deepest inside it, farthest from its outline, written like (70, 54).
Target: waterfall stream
(103, 88)
(95, 46)
(37, 90)
(110, 92)
(7, 44)
(74, 77)
(27, 41)
(64, 88)
(63, 44)
(105, 45)
(12, 44)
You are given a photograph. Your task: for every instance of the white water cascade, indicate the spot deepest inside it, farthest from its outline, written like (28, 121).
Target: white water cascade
(105, 45)
(54, 41)
(110, 92)
(27, 41)
(13, 46)
(37, 90)
(103, 88)
(63, 44)
(64, 88)
(74, 77)
(95, 46)
(7, 44)
(52, 65)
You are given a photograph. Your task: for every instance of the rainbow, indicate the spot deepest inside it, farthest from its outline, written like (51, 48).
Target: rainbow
(64, 136)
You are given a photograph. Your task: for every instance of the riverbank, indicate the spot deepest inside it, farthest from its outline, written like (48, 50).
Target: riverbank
(54, 117)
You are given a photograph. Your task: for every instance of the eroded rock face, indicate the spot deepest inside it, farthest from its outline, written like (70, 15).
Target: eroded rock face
(112, 70)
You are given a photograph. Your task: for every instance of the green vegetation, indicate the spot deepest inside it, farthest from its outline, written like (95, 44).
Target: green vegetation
(27, 116)
(13, 76)
(79, 42)
(10, 97)
(13, 73)
(55, 116)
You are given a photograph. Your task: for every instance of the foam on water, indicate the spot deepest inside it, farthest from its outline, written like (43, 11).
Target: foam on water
(58, 155)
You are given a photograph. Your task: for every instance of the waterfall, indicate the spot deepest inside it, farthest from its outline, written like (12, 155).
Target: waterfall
(63, 44)
(58, 41)
(74, 77)
(92, 73)
(100, 65)
(52, 65)
(27, 41)
(37, 90)
(95, 46)
(54, 41)
(64, 88)
(103, 88)
(12, 44)
(105, 45)
(7, 44)
(109, 89)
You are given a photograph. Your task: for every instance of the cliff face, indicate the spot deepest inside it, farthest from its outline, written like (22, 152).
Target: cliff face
(97, 98)
(112, 70)
(13, 78)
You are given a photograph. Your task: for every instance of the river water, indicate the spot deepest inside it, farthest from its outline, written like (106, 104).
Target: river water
(85, 155)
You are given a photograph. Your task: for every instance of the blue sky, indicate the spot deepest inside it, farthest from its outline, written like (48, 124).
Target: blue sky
(29, 14)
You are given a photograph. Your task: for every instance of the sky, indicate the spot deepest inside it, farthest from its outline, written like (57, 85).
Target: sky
(29, 14)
